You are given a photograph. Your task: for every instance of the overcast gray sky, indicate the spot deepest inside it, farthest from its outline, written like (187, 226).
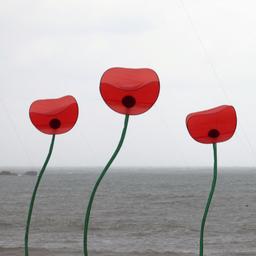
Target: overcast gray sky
(203, 51)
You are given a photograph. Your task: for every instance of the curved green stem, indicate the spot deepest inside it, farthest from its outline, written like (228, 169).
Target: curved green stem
(214, 180)
(89, 207)
(34, 195)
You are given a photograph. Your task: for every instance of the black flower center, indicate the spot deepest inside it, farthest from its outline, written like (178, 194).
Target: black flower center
(55, 123)
(213, 133)
(128, 101)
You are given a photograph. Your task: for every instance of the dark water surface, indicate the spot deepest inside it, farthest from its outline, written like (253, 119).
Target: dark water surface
(155, 213)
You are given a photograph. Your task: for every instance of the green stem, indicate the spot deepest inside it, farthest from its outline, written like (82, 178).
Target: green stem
(214, 180)
(89, 207)
(34, 195)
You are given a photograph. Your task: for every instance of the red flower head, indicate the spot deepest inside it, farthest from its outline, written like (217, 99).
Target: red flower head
(213, 125)
(54, 116)
(130, 91)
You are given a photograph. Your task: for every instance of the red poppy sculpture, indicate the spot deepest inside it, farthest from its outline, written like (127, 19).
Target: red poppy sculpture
(50, 116)
(54, 116)
(211, 127)
(129, 92)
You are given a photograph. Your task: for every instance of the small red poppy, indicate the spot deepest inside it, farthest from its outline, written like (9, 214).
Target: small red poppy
(54, 116)
(213, 125)
(130, 91)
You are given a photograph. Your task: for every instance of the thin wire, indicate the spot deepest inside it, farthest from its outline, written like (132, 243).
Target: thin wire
(14, 128)
(89, 207)
(214, 70)
(34, 194)
(207, 57)
(214, 180)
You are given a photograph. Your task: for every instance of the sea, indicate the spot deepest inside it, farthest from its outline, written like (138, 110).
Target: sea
(136, 212)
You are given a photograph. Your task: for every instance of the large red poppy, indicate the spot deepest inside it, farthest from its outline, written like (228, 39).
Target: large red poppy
(54, 116)
(130, 91)
(213, 125)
